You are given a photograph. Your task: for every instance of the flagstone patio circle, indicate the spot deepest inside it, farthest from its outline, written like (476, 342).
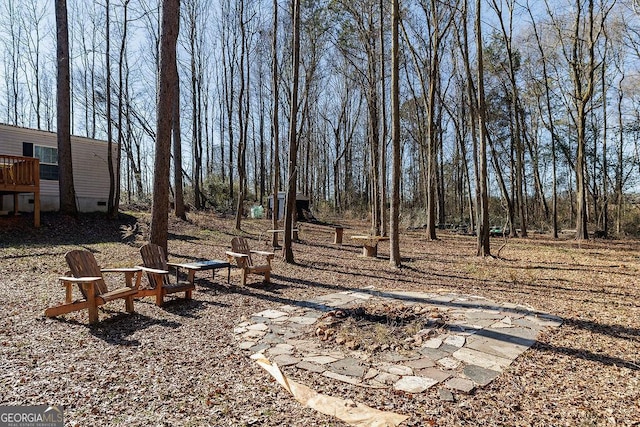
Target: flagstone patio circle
(483, 338)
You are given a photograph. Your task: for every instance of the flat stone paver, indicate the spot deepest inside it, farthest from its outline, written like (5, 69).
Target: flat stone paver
(387, 378)
(478, 375)
(412, 384)
(279, 349)
(371, 373)
(286, 360)
(253, 334)
(399, 370)
(303, 320)
(312, 367)
(348, 366)
(434, 353)
(271, 314)
(246, 345)
(484, 360)
(421, 363)
(321, 360)
(480, 338)
(448, 363)
(258, 348)
(438, 375)
(432, 343)
(343, 378)
(455, 340)
(460, 384)
(446, 395)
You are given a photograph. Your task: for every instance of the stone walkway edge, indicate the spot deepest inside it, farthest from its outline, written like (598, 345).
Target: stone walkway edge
(480, 340)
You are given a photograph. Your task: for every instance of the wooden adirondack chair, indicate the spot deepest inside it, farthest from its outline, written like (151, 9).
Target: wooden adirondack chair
(86, 273)
(157, 269)
(241, 254)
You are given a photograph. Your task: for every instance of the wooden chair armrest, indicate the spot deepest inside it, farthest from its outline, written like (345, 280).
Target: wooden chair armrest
(179, 265)
(120, 270)
(79, 279)
(153, 270)
(263, 253)
(236, 254)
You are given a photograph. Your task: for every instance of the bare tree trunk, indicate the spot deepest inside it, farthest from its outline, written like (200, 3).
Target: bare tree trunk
(484, 248)
(395, 258)
(32, 21)
(605, 166)
(275, 126)
(111, 213)
(583, 67)
(551, 126)
(65, 181)
(473, 197)
(374, 148)
(582, 96)
(517, 131)
(508, 200)
(228, 45)
(179, 208)
(261, 173)
(383, 121)
(432, 160)
(290, 210)
(242, 122)
(166, 101)
(13, 58)
(620, 154)
(121, 95)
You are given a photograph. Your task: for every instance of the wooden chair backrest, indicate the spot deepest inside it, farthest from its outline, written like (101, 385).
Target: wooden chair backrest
(82, 263)
(240, 245)
(153, 257)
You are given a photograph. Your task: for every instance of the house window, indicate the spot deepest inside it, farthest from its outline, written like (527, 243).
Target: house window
(48, 157)
(46, 154)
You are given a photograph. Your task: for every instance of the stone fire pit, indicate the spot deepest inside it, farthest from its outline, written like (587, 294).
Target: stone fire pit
(410, 341)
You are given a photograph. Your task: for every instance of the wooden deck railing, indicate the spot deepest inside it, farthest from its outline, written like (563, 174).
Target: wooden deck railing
(21, 175)
(19, 171)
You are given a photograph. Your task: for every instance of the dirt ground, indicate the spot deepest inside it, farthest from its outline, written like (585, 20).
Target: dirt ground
(180, 365)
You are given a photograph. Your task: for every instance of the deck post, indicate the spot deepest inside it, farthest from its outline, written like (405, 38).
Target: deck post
(36, 208)
(36, 194)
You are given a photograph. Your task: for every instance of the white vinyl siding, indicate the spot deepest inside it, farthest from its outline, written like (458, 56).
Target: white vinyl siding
(90, 171)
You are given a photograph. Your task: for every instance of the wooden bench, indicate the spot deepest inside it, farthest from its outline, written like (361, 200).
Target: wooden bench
(369, 244)
(337, 230)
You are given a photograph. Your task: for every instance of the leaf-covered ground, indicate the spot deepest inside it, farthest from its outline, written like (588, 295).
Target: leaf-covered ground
(179, 364)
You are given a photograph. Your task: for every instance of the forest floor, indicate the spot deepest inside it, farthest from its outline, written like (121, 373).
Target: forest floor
(181, 365)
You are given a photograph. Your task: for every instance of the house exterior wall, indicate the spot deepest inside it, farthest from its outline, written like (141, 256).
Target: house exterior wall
(90, 171)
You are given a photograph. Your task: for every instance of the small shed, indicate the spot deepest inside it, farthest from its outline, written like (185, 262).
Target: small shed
(302, 203)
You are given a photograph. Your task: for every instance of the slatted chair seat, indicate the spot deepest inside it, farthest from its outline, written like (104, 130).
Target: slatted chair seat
(117, 293)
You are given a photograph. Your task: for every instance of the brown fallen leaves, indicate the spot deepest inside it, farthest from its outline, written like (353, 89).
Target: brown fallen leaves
(179, 365)
(377, 327)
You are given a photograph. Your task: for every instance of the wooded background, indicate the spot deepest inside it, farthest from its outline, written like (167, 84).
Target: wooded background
(560, 100)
